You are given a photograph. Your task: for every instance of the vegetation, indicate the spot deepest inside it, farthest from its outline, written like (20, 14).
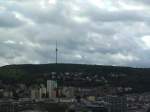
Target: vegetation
(137, 78)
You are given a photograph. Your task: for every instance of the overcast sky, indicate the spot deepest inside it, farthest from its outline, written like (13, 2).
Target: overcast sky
(108, 32)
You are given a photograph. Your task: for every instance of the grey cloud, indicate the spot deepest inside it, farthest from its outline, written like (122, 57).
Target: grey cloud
(118, 16)
(146, 2)
(105, 37)
(8, 19)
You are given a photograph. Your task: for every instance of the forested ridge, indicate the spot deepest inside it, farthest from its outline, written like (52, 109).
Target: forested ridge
(138, 78)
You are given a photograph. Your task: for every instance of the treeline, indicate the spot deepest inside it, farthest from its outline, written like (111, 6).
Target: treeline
(138, 78)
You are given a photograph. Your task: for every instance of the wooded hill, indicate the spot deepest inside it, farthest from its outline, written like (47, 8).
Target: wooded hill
(78, 75)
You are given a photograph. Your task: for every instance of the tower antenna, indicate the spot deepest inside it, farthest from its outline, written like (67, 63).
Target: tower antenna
(57, 88)
(56, 52)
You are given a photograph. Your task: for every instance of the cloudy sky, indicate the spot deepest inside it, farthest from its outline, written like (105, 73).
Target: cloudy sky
(108, 32)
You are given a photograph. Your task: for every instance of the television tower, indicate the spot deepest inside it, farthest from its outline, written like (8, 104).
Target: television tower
(57, 89)
(56, 52)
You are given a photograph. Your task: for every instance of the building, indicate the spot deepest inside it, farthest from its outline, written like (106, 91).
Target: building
(7, 94)
(52, 88)
(38, 92)
(35, 93)
(87, 108)
(43, 91)
(117, 103)
(68, 92)
(8, 107)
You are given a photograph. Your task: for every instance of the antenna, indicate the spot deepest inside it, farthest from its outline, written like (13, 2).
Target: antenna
(56, 52)
(57, 89)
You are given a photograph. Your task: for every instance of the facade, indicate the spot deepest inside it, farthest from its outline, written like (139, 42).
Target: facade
(68, 92)
(35, 94)
(87, 108)
(38, 92)
(117, 103)
(51, 88)
(7, 94)
(43, 91)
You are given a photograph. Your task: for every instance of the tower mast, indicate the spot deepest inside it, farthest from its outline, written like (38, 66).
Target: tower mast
(56, 52)
(57, 89)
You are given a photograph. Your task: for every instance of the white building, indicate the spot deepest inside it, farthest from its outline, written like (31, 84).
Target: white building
(42, 91)
(51, 88)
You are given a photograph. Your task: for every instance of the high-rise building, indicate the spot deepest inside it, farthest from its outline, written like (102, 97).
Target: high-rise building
(51, 88)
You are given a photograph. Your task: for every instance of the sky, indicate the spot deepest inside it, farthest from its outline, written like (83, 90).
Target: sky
(102, 32)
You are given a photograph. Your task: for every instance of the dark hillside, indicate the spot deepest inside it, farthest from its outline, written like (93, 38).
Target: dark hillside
(78, 75)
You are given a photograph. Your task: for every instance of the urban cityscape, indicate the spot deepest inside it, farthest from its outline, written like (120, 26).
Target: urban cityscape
(74, 56)
(53, 96)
